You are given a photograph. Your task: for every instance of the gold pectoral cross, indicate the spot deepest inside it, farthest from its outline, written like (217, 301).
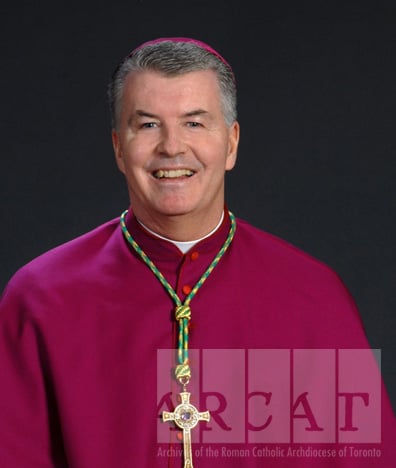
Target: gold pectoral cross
(186, 416)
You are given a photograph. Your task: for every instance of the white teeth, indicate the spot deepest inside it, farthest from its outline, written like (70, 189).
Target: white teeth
(161, 174)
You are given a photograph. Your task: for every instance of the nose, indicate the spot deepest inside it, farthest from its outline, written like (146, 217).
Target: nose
(171, 142)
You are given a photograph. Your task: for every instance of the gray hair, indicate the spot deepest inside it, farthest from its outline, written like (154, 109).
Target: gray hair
(171, 59)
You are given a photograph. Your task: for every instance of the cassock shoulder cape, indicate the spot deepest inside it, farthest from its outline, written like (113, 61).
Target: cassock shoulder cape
(85, 375)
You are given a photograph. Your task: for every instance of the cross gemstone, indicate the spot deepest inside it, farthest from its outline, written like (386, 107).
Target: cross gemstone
(186, 415)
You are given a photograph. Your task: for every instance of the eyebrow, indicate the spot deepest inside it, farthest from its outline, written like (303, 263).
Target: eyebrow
(196, 112)
(143, 113)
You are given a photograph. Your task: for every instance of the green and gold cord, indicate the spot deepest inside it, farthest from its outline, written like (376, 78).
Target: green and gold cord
(182, 310)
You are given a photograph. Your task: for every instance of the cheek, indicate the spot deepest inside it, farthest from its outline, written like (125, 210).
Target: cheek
(135, 156)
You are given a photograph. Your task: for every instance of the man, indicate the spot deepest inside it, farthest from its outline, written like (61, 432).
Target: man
(89, 378)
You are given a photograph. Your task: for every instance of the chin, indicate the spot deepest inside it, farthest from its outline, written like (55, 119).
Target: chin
(179, 211)
(176, 209)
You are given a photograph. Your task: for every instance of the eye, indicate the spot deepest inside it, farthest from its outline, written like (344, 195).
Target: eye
(149, 125)
(194, 124)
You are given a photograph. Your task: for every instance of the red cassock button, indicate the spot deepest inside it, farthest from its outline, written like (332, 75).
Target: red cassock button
(186, 289)
(194, 255)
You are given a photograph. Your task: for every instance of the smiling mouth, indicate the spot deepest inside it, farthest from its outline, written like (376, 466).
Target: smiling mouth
(173, 173)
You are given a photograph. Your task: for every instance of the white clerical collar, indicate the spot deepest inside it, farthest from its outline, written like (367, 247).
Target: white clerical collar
(184, 246)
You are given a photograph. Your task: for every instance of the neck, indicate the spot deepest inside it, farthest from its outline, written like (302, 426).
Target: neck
(185, 246)
(181, 228)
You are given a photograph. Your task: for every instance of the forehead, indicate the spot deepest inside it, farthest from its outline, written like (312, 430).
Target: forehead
(155, 88)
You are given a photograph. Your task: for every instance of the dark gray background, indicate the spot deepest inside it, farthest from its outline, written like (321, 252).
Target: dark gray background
(316, 105)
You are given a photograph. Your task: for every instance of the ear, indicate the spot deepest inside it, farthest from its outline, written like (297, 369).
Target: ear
(117, 150)
(233, 140)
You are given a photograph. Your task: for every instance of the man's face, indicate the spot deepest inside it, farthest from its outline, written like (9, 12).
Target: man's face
(173, 145)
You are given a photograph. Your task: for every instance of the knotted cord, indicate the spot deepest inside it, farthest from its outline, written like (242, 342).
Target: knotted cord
(182, 310)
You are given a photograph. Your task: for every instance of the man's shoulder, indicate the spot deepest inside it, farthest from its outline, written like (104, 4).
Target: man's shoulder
(268, 242)
(69, 258)
(279, 255)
